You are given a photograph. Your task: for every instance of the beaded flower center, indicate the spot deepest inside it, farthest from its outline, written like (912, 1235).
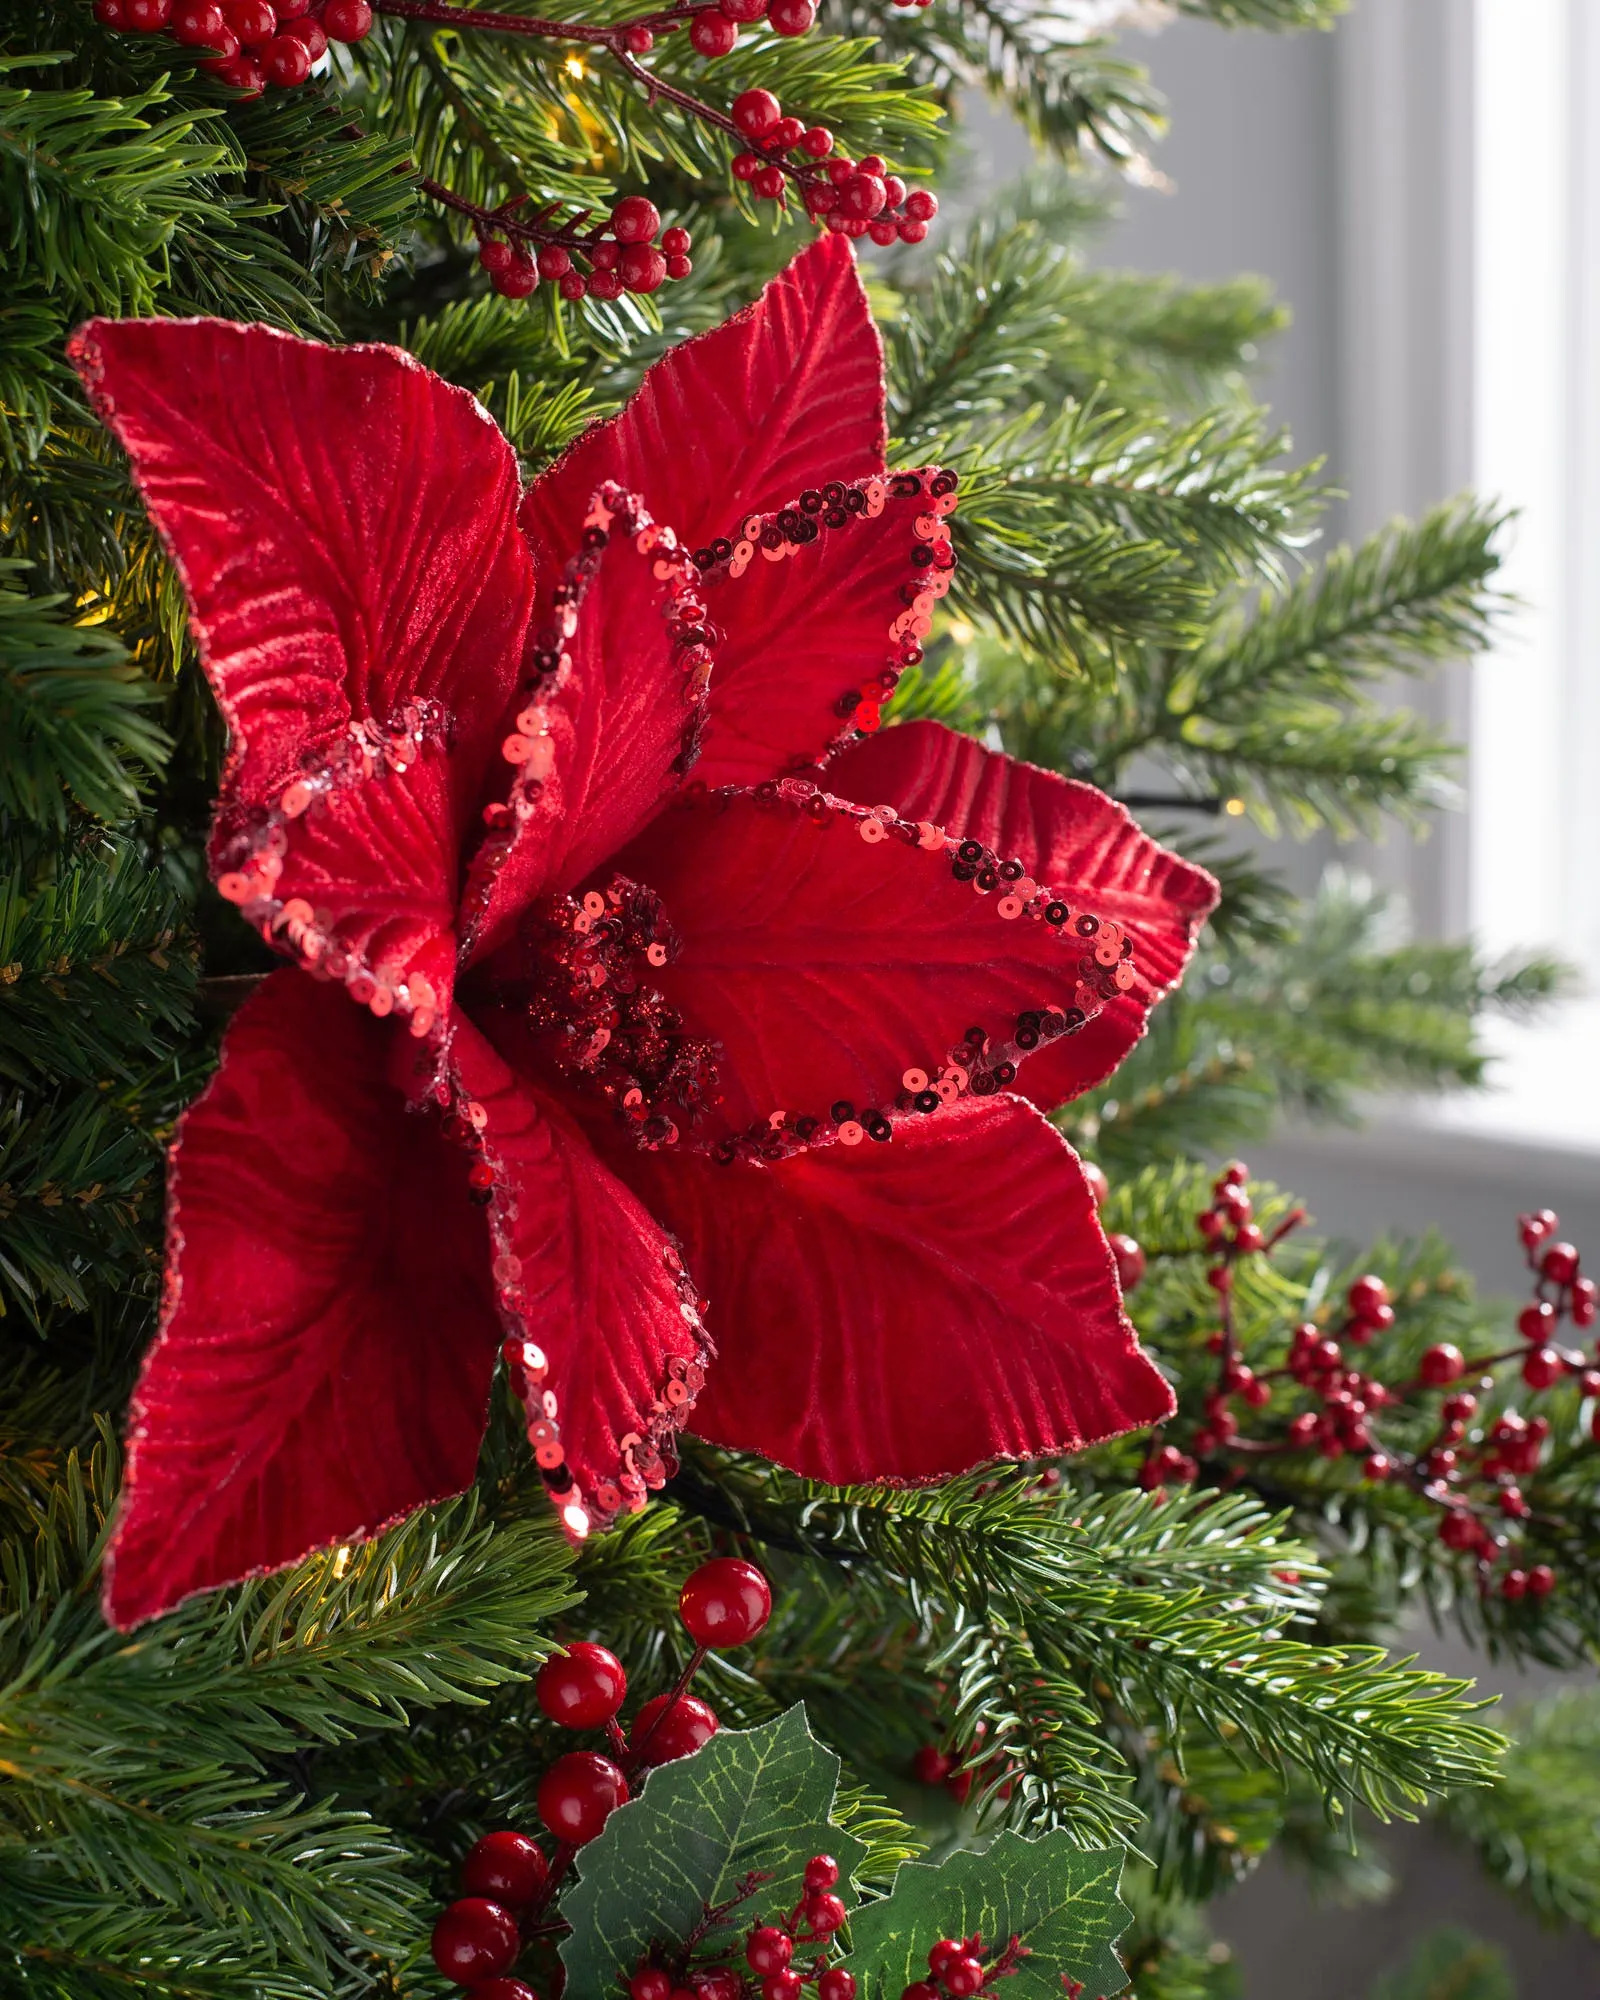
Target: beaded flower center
(587, 983)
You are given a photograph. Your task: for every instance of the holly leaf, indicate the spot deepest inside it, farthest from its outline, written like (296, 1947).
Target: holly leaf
(1061, 1901)
(753, 1800)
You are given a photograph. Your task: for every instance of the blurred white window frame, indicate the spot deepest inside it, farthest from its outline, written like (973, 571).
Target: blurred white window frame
(1470, 168)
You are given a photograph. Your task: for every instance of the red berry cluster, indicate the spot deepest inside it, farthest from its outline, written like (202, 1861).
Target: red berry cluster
(250, 44)
(619, 254)
(853, 197)
(1470, 1474)
(714, 30)
(769, 1951)
(506, 1877)
(960, 1967)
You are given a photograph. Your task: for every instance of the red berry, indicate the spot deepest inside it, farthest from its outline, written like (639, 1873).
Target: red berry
(767, 1949)
(725, 1603)
(822, 1871)
(643, 268)
(1365, 1296)
(743, 10)
(919, 1989)
(712, 33)
(1130, 1260)
(503, 1989)
(1375, 1467)
(1514, 1584)
(1542, 1368)
(861, 195)
(1249, 1238)
(578, 1794)
(253, 21)
(312, 34)
(818, 142)
(791, 17)
(649, 1983)
(1541, 1580)
(147, 17)
(1442, 1363)
(286, 60)
(109, 13)
(676, 242)
(768, 183)
(839, 170)
(1537, 1322)
(474, 1940)
(638, 41)
(1535, 1228)
(507, 1867)
(722, 1982)
(836, 1984)
(747, 165)
(894, 190)
(555, 261)
(1585, 1301)
(963, 1977)
(824, 1914)
(347, 20)
(679, 267)
(635, 219)
(201, 24)
(930, 1766)
(922, 206)
(756, 112)
(786, 134)
(944, 1953)
(495, 255)
(660, 1737)
(574, 285)
(884, 232)
(784, 1985)
(1460, 1530)
(1459, 1408)
(1303, 1429)
(516, 281)
(1560, 1263)
(239, 73)
(913, 232)
(604, 256)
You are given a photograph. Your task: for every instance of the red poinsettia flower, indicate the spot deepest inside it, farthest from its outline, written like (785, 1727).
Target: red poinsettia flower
(643, 1068)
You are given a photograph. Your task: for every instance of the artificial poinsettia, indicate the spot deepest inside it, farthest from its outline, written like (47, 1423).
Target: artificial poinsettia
(656, 1023)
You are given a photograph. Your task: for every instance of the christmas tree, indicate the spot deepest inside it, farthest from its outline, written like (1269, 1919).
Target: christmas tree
(690, 1410)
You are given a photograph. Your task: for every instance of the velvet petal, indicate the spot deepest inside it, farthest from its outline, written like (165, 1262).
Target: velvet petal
(329, 1334)
(906, 1311)
(827, 966)
(787, 394)
(1064, 833)
(344, 524)
(600, 1286)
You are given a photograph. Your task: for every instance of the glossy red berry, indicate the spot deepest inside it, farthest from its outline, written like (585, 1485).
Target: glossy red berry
(743, 10)
(516, 281)
(679, 267)
(635, 219)
(922, 206)
(785, 1985)
(642, 268)
(661, 1735)
(944, 1953)
(1537, 1322)
(1250, 1238)
(1460, 1529)
(767, 1949)
(836, 1984)
(638, 41)
(201, 24)
(650, 1983)
(495, 255)
(913, 232)
(894, 190)
(722, 1982)
(347, 20)
(604, 256)
(791, 17)
(747, 165)
(919, 1989)
(238, 73)
(676, 242)
(1560, 1263)
(312, 33)
(474, 1940)
(768, 183)
(503, 1989)
(574, 285)
(1541, 1580)
(147, 17)
(822, 1872)
(786, 135)
(861, 196)
(578, 1794)
(1441, 1364)
(255, 22)
(963, 1977)
(555, 261)
(109, 13)
(1130, 1260)
(1542, 1368)
(1514, 1584)
(507, 1867)
(756, 112)
(1585, 1301)
(824, 1913)
(1538, 1227)
(1365, 1296)
(712, 33)
(817, 140)
(287, 61)
(725, 1603)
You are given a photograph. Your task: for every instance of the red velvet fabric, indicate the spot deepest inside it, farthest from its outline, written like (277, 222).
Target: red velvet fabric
(362, 577)
(1066, 835)
(906, 1311)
